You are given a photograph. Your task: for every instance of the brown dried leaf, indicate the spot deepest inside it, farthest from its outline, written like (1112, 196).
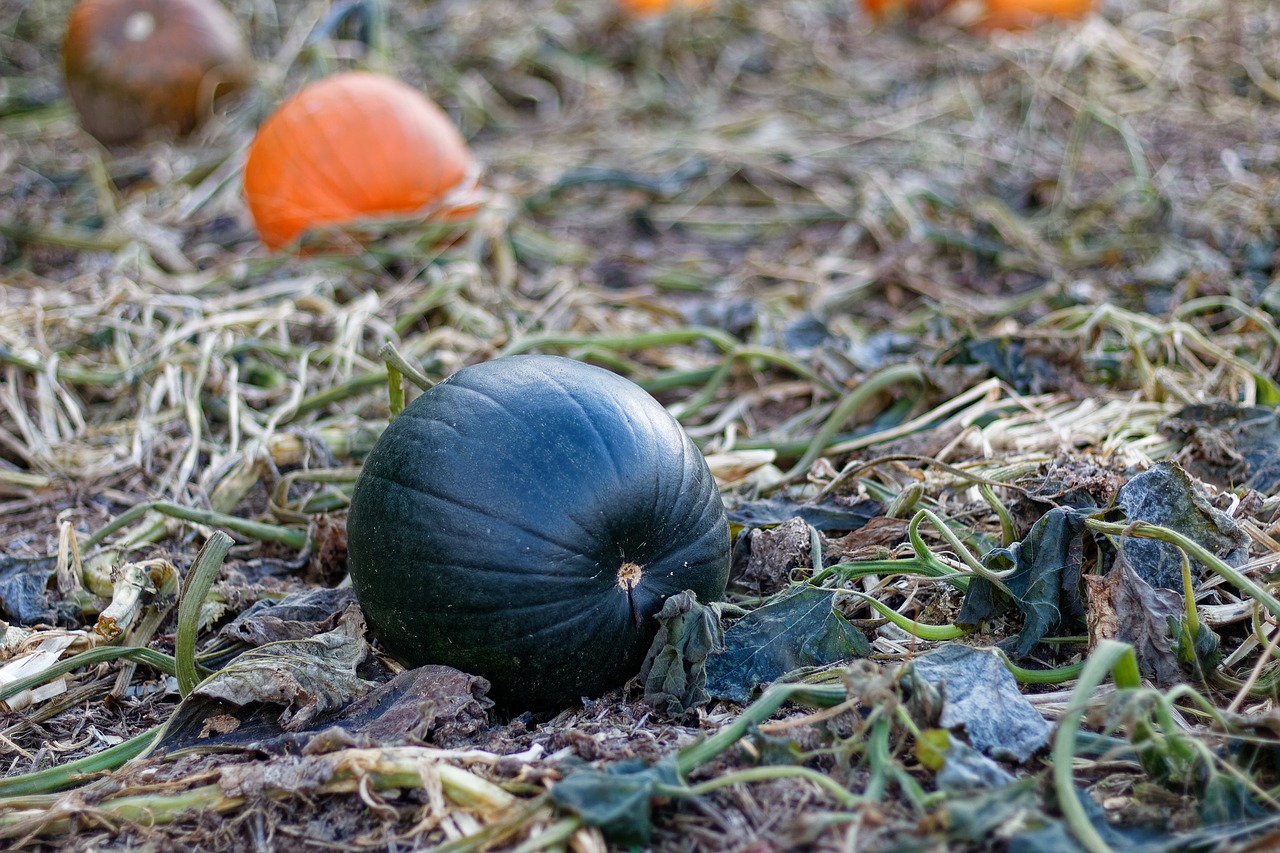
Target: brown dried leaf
(431, 704)
(1124, 607)
(775, 554)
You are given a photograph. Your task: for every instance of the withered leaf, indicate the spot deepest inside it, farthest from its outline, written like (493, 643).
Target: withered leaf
(1166, 496)
(293, 617)
(674, 674)
(824, 515)
(302, 681)
(1122, 606)
(1045, 581)
(980, 694)
(431, 704)
(799, 628)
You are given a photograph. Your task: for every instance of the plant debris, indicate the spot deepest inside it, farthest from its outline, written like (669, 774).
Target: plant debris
(979, 332)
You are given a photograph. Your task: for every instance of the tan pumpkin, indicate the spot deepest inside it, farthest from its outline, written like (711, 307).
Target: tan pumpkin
(353, 146)
(134, 65)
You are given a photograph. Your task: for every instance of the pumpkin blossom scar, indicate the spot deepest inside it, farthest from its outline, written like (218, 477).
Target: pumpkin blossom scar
(629, 576)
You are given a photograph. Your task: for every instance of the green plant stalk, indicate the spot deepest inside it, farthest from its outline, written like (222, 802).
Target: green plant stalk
(199, 581)
(461, 787)
(670, 379)
(1008, 533)
(352, 387)
(1189, 603)
(78, 376)
(553, 836)
(773, 698)
(721, 340)
(880, 758)
(1127, 323)
(905, 501)
(145, 809)
(1108, 656)
(296, 539)
(395, 391)
(102, 654)
(402, 366)
(56, 778)
(1212, 303)
(815, 549)
(960, 580)
(1194, 549)
(764, 774)
(611, 360)
(328, 476)
(845, 409)
(743, 353)
(922, 801)
(1042, 676)
(945, 531)
(23, 481)
(434, 296)
(865, 568)
(919, 630)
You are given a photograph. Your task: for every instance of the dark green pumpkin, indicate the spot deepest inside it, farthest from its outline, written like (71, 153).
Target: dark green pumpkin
(524, 520)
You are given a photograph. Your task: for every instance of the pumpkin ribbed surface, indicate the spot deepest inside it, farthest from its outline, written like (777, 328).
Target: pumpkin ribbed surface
(524, 521)
(132, 65)
(352, 146)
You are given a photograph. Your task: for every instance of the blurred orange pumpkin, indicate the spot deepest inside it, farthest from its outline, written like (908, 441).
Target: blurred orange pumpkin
(354, 146)
(1020, 14)
(884, 8)
(132, 65)
(649, 8)
(983, 14)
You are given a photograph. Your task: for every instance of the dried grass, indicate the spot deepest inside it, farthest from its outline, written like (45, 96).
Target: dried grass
(669, 198)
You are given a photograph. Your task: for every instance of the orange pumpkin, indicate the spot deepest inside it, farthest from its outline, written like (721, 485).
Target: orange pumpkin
(354, 146)
(649, 8)
(885, 8)
(982, 14)
(132, 65)
(1020, 14)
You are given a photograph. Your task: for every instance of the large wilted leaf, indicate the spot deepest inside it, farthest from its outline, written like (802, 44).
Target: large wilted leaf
(1230, 445)
(1012, 818)
(674, 674)
(618, 799)
(431, 704)
(294, 617)
(22, 589)
(1045, 583)
(301, 681)
(824, 515)
(799, 629)
(772, 556)
(966, 769)
(1030, 365)
(1124, 607)
(307, 677)
(980, 694)
(436, 705)
(1164, 495)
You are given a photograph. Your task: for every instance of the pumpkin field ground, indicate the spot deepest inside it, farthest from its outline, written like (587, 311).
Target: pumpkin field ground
(978, 331)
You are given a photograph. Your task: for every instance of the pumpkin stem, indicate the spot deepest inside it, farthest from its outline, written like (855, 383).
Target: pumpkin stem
(629, 575)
